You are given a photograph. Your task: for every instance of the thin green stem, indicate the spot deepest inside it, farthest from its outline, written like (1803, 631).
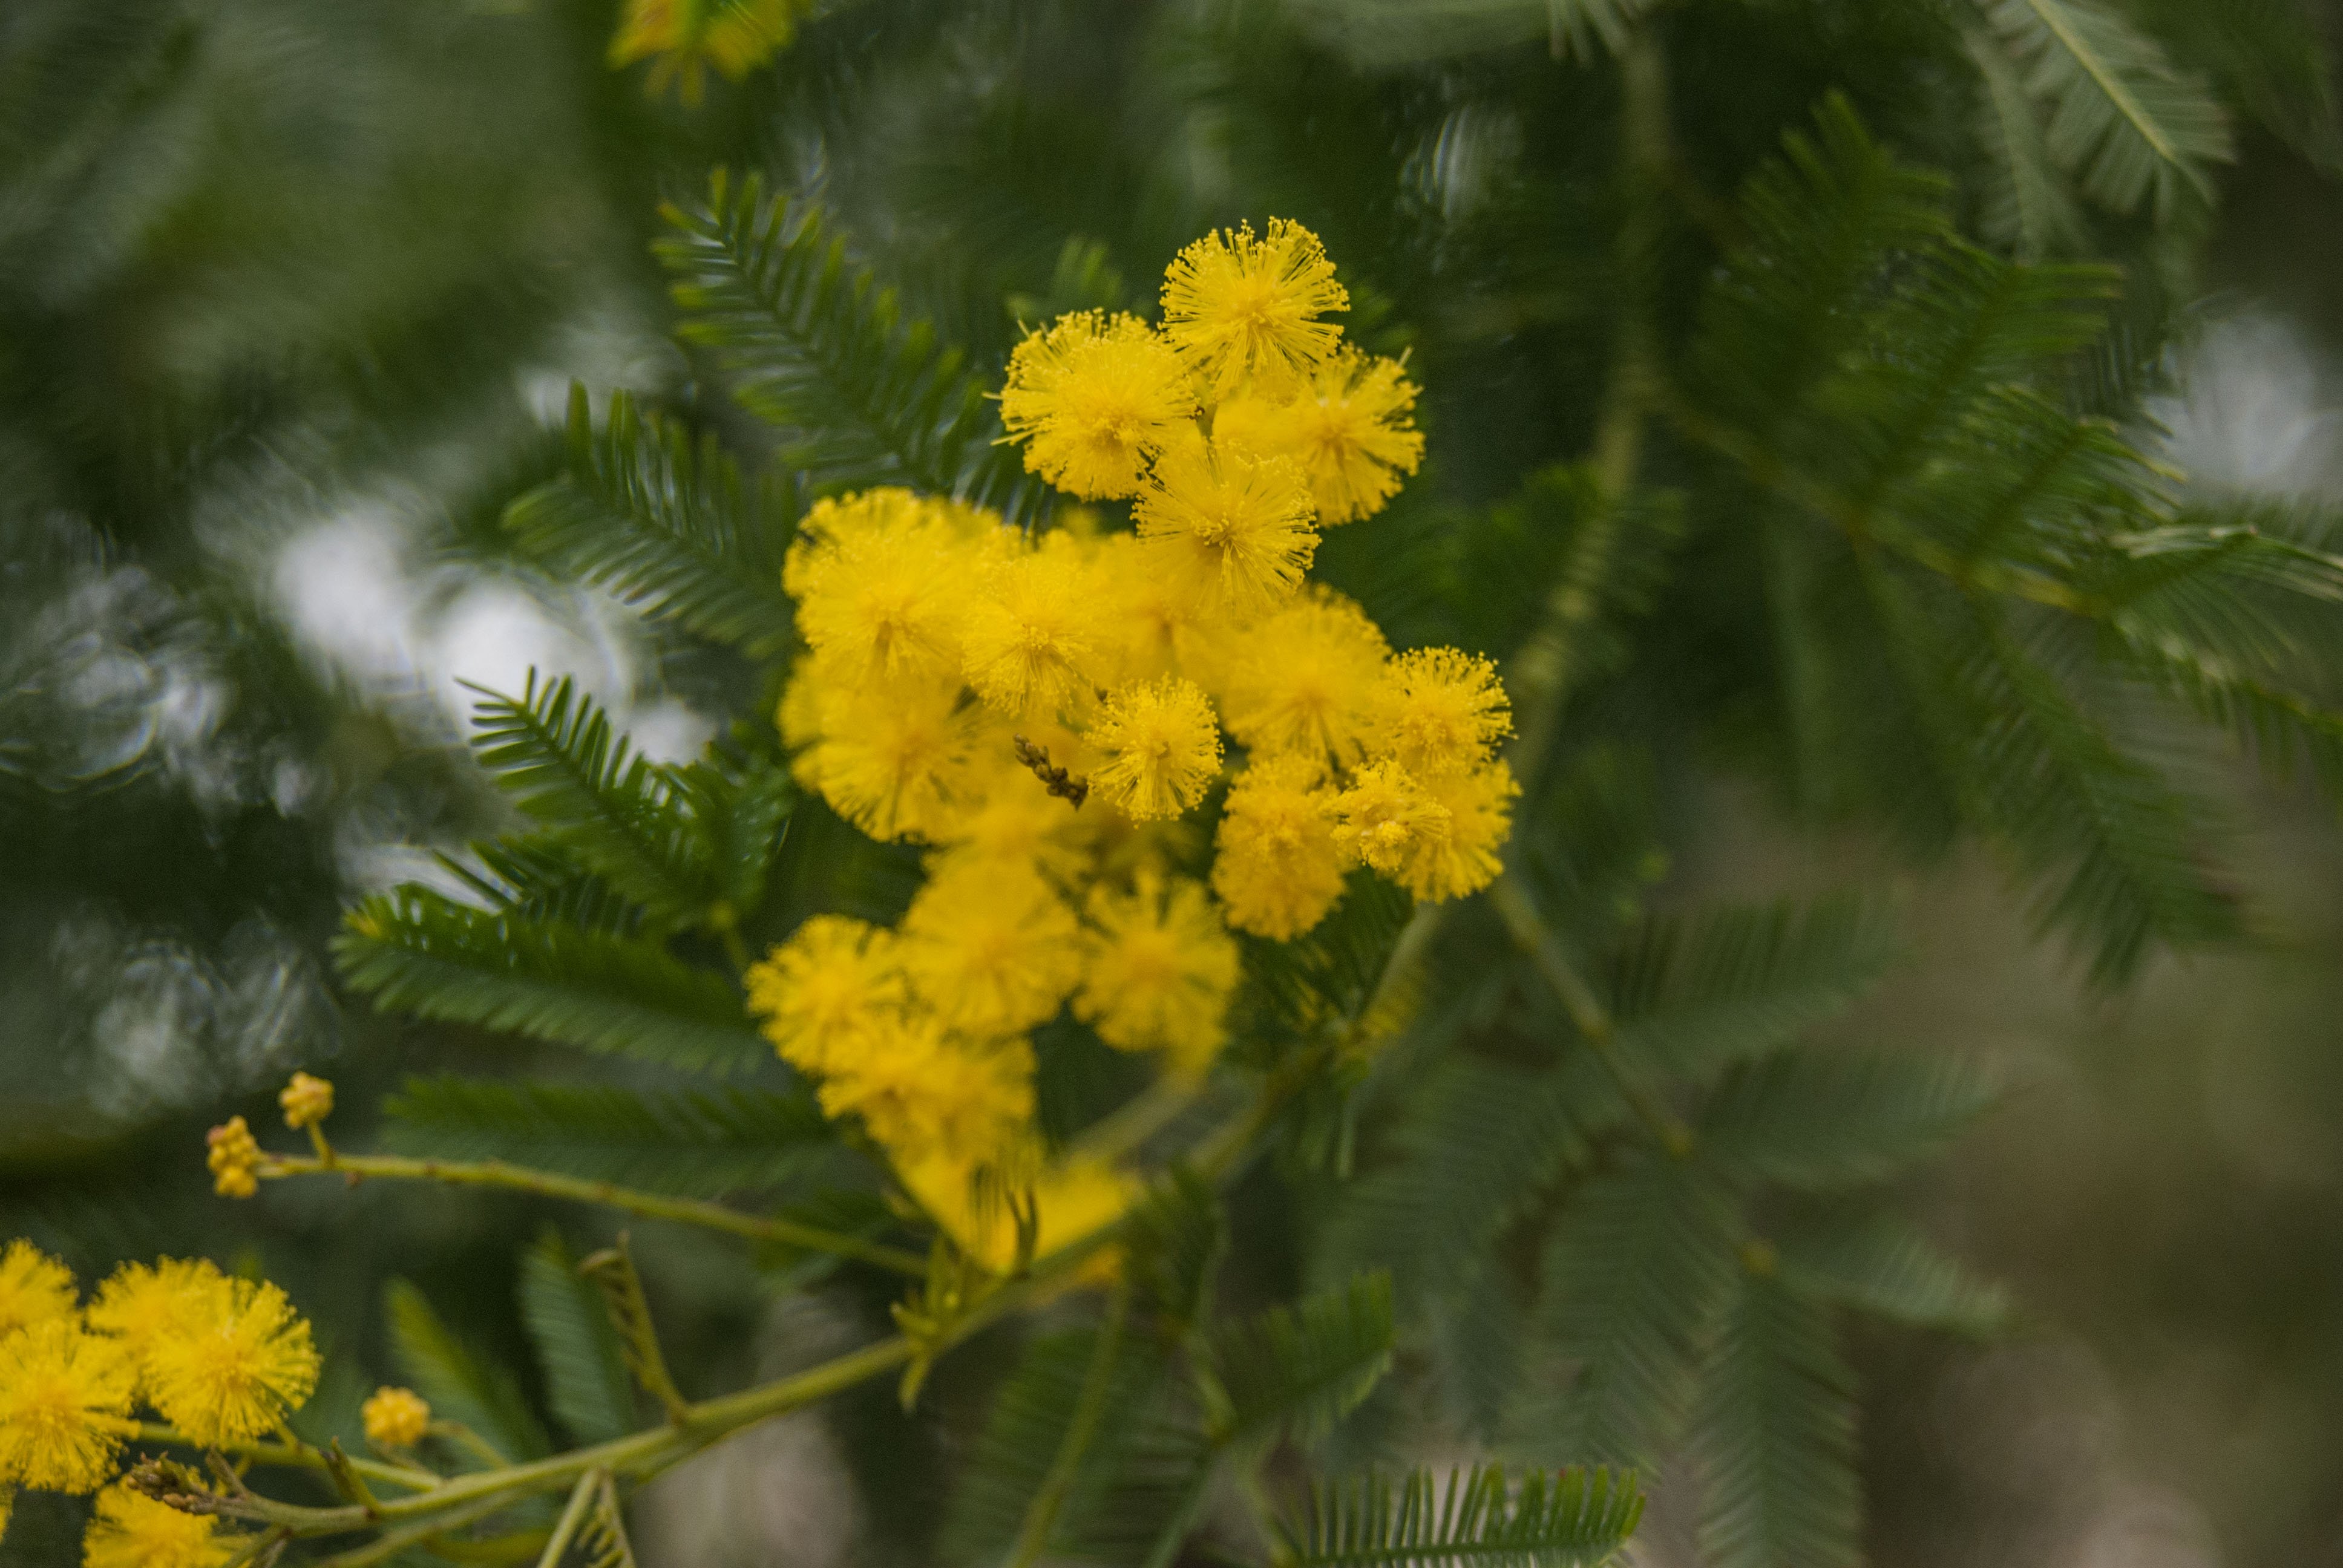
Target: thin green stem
(1592, 1019)
(463, 1436)
(581, 1498)
(1090, 1409)
(650, 1205)
(279, 1455)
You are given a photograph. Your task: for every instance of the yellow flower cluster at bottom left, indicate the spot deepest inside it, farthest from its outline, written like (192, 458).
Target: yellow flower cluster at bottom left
(223, 1360)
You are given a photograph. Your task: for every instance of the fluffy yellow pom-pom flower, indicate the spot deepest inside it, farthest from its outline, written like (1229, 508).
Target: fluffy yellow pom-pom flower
(1347, 429)
(141, 1305)
(885, 606)
(1158, 968)
(1033, 632)
(1277, 869)
(1302, 679)
(240, 1363)
(134, 1532)
(1479, 803)
(1013, 818)
(1241, 309)
(1439, 711)
(233, 1155)
(923, 1093)
(34, 1288)
(1231, 529)
(890, 761)
(396, 1418)
(1385, 816)
(65, 1400)
(1158, 749)
(825, 989)
(990, 948)
(1093, 396)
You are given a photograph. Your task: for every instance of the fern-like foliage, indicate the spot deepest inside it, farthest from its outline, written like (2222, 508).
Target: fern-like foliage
(1694, 995)
(1962, 570)
(1572, 1519)
(1390, 32)
(692, 1144)
(1635, 1271)
(556, 754)
(1296, 1371)
(478, 1395)
(667, 523)
(1813, 1120)
(1880, 1266)
(1776, 1436)
(818, 348)
(426, 954)
(578, 1351)
(2123, 118)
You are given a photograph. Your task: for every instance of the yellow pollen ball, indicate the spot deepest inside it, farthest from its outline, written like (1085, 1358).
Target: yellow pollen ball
(890, 761)
(1479, 803)
(1277, 869)
(396, 1418)
(1033, 632)
(923, 1093)
(1439, 711)
(826, 987)
(990, 948)
(1243, 309)
(1347, 429)
(1302, 679)
(1384, 816)
(65, 1402)
(130, 1531)
(1231, 529)
(239, 1364)
(1158, 747)
(1095, 397)
(34, 1288)
(1158, 971)
(142, 1305)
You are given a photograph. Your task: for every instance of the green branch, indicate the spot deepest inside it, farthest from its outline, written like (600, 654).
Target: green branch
(1592, 1019)
(650, 1205)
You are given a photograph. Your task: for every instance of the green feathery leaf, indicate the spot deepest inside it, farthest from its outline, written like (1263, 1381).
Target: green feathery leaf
(1814, 1120)
(578, 1351)
(1572, 1519)
(821, 351)
(1694, 996)
(2129, 125)
(667, 524)
(422, 952)
(1131, 1478)
(1776, 1436)
(1635, 1270)
(1296, 1371)
(554, 751)
(2026, 207)
(479, 1395)
(1386, 33)
(1879, 1265)
(700, 1145)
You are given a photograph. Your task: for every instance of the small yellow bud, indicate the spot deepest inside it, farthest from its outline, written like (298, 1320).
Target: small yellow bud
(306, 1100)
(234, 1158)
(396, 1418)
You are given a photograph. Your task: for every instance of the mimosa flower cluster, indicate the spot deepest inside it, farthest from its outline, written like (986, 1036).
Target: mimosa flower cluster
(222, 1359)
(1042, 712)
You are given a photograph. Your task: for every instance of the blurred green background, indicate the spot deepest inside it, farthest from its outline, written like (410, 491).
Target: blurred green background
(291, 292)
